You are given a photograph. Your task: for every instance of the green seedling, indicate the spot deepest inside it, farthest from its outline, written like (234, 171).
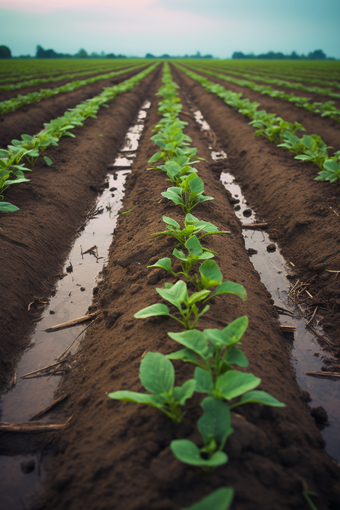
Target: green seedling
(220, 499)
(192, 226)
(214, 427)
(233, 384)
(157, 376)
(212, 350)
(130, 210)
(331, 172)
(314, 149)
(209, 274)
(186, 305)
(189, 194)
(179, 297)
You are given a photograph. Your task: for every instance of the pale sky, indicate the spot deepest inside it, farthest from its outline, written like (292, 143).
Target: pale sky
(176, 27)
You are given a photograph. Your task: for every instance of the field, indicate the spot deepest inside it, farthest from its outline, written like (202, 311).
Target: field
(113, 454)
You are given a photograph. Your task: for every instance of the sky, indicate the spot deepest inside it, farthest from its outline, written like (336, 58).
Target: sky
(175, 27)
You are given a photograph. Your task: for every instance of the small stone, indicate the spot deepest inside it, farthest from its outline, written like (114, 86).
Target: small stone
(237, 207)
(82, 289)
(28, 466)
(319, 414)
(251, 252)
(52, 312)
(247, 213)
(271, 247)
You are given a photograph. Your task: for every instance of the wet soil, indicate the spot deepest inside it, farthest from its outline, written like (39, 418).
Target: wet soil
(30, 119)
(328, 129)
(53, 205)
(8, 94)
(303, 214)
(116, 455)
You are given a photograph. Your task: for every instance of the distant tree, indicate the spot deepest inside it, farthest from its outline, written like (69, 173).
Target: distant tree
(238, 54)
(317, 55)
(111, 55)
(165, 56)
(149, 55)
(41, 53)
(208, 56)
(81, 54)
(294, 56)
(5, 52)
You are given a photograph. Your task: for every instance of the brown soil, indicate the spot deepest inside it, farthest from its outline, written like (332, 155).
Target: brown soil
(303, 214)
(328, 129)
(116, 455)
(36, 239)
(30, 119)
(8, 94)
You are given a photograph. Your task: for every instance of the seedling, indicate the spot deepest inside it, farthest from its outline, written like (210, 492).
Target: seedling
(331, 172)
(188, 194)
(186, 305)
(214, 427)
(192, 226)
(157, 375)
(212, 350)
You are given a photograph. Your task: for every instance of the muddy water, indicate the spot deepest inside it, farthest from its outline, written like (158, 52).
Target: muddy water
(306, 354)
(73, 296)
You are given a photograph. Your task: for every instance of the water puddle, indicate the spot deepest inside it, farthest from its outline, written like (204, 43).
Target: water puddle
(275, 273)
(73, 296)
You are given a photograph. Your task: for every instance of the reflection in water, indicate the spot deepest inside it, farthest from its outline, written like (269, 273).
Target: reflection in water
(306, 353)
(72, 298)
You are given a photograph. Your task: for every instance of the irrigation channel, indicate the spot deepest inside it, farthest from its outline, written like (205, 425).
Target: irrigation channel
(21, 474)
(275, 272)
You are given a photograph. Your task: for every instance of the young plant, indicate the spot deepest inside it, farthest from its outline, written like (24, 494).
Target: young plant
(188, 194)
(214, 427)
(331, 172)
(179, 297)
(212, 350)
(157, 375)
(192, 226)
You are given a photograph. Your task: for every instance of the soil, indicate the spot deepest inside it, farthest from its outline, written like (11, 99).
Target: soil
(8, 94)
(30, 119)
(116, 455)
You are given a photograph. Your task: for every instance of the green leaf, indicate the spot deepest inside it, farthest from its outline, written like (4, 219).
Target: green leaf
(182, 393)
(232, 384)
(204, 382)
(171, 222)
(174, 197)
(156, 157)
(193, 246)
(231, 288)
(153, 310)
(229, 335)
(198, 296)
(6, 207)
(236, 357)
(260, 397)
(164, 264)
(48, 161)
(210, 274)
(176, 295)
(157, 373)
(215, 422)
(186, 451)
(185, 355)
(196, 185)
(192, 339)
(138, 398)
(220, 499)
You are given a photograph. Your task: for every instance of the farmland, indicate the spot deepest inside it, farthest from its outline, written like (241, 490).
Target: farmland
(153, 292)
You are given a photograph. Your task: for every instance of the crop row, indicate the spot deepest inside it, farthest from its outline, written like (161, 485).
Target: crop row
(291, 70)
(30, 147)
(51, 67)
(275, 129)
(39, 81)
(13, 104)
(214, 353)
(324, 109)
(288, 84)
